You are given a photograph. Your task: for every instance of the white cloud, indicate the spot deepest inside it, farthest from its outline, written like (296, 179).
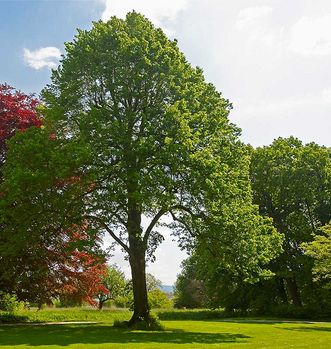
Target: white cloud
(249, 15)
(43, 57)
(303, 117)
(312, 36)
(326, 95)
(158, 12)
(254, 23)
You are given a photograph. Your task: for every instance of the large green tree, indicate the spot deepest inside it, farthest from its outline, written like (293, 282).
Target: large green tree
(292, 184)
(141, 134)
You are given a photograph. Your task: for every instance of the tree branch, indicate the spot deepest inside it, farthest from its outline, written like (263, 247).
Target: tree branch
(183, 223)
(111, 233)
(187, 210)
(153, 223)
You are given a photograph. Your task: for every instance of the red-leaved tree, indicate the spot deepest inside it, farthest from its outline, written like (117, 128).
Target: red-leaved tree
(63, 265)
(17, 113)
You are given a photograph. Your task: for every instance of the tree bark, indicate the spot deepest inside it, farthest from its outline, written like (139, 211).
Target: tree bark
(137, 257)
(294, 291)
(100, 305)
(281, 289)
(138, 269)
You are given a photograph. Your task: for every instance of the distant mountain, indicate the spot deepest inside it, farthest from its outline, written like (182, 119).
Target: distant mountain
(167, 288)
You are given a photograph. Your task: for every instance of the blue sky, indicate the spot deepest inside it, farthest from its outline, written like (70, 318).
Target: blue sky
(35, 24)
(271, 58)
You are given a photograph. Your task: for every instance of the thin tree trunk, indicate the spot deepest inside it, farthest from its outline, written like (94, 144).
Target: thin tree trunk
(281, 289)
(294, 291)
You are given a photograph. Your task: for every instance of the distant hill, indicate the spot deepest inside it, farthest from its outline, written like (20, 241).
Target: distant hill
(167, 288)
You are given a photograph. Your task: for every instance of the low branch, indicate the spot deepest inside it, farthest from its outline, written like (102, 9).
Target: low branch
(153, 223)
(186, 226)
(182, 208)
(111, 233)
(187, 210)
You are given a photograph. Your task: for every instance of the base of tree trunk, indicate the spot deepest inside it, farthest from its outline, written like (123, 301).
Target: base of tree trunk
(149, 323)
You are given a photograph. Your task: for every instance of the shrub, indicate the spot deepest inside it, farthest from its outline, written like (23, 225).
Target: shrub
(123, 302)
(10, 303)
(10, 318)
(294, 312)
(159, 299)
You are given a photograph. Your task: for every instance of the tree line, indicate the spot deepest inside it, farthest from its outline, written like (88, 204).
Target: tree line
(291, 183)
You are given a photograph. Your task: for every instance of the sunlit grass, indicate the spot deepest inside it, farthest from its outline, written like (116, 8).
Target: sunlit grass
(218, 333)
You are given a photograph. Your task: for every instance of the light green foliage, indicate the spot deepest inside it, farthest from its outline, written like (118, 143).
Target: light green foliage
(114, 282)
(124, 301)
(10, 303)
(158, 299)
(320, 250)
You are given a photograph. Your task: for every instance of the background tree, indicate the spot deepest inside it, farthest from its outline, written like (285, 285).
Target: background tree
(152, 283)
(114, 284)
(17, 113)
(146, 136)
(292, 184)
(157, 299)
(42, 268)
(190, 291)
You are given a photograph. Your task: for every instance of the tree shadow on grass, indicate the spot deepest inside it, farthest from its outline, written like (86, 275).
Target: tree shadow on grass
(220, 316)
(64, 335)
(263, 322)
(308, 329)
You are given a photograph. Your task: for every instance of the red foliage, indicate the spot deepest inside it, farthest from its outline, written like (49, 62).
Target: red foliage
(84, 272)
(61, 268)
(60, 183)
(17, 113)
(56, 268)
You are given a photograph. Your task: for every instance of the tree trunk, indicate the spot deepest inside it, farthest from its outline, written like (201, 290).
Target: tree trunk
(281, 289)
(138, 270)
(137, 257)
(294, 291)
(100, 305)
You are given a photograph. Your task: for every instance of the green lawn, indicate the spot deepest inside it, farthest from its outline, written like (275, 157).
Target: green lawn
(178, 334)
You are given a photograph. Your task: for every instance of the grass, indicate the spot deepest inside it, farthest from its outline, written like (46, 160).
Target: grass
(73, 314)
(181, 334)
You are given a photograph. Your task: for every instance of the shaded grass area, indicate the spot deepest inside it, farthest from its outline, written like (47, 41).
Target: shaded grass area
(66, 335)
(182, 334)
